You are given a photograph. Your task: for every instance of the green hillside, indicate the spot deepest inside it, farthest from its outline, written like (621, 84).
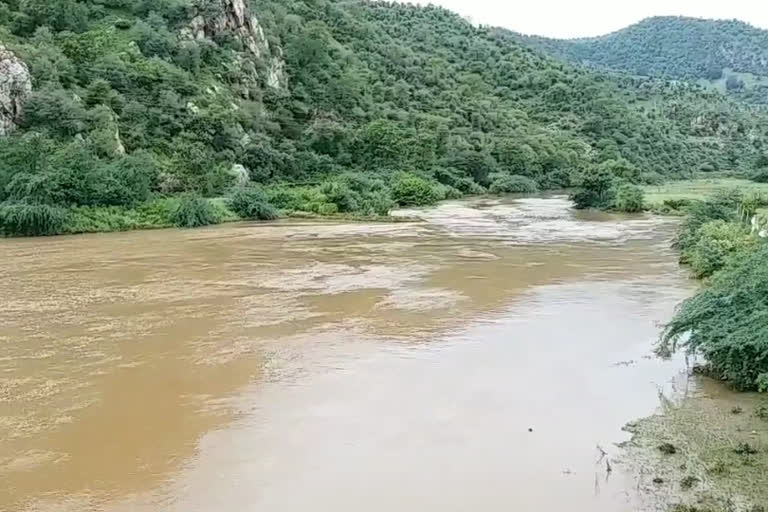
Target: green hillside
(727, 54)
(671, 47)
(355, 105)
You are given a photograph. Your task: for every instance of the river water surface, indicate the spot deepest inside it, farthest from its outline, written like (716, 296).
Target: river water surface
(473, 361)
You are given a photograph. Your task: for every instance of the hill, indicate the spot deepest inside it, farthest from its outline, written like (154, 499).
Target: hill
(122, 105)
(729, 54)
(670, 47)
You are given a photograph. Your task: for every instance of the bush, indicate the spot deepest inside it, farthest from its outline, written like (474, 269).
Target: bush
(194, 211)
(301, 199)
(652, 178)
(629, 198)
(22, 219)
(284, 198)
(727, 322)
(447, 192)
(468, 186)
(722, 206)
(718, 242)
(340, 194)
(515, 184)
(252, 203)
(324, 208)
(98, 219)
(378, 203)
(760, 176)
(412, 190)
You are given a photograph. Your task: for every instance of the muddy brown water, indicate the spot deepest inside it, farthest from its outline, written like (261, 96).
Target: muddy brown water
(474, 361)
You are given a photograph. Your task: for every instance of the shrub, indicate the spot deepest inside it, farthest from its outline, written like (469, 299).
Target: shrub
(97, 219)
(378, 203)
(285, 198)
(447, 192)
(455, 178)
(515, 184)
(760, 176)
(652, 178)
(722, 206)
(629, 198)
(193, 211)
(158, 212)
(679, 204)
(469, 186)
(727, 322)
(718, 241)
(324, 208)
(252, 203)
(23, 219)
(340, 194)
(412, 190)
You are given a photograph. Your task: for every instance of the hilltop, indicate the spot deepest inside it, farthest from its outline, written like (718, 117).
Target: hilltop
(728, 53)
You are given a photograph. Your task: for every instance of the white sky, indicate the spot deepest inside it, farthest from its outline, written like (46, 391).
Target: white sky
(581, 18)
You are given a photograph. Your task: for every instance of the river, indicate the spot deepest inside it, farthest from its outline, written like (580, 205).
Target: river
(473, 361)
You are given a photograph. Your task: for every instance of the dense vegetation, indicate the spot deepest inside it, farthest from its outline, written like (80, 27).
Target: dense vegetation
(727, 321)
(670, 47)
(724, 55)
(138, 115)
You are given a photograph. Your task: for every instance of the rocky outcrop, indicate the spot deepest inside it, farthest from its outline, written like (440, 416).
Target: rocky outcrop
(119, 147)
(240, 174)
(15, 87)
(235, 18)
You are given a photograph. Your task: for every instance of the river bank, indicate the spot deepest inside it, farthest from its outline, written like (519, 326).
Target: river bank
(707, 447)
(305, 202)
(705, 451)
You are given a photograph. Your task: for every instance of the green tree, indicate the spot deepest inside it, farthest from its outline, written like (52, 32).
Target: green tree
(596, 188)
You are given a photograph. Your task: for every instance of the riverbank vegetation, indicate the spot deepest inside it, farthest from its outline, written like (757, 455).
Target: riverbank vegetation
(608, 187)
(726, 322)
(674, 197)
(330, 107)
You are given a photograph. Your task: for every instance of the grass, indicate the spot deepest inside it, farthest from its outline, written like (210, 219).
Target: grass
(750, 80)
(159, 214)
(156, 214)
(690, 190)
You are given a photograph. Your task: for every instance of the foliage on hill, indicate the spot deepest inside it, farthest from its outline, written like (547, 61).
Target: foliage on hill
(137, 101)
(670, 47)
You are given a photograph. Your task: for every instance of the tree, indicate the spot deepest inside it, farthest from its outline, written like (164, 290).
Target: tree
(629, 198)
(595, 188)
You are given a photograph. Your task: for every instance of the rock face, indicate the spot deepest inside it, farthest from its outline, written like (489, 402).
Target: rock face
(235, 18)
(240, 174)
(15, 87)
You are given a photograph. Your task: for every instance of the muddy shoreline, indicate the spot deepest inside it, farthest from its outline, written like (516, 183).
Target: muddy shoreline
(706, 450)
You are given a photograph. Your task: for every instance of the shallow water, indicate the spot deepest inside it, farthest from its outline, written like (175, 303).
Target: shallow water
(472, 361)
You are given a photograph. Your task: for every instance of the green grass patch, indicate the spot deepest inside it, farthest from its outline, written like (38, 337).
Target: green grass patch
(656, 196)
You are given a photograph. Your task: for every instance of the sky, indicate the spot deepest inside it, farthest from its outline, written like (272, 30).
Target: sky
(584, 18)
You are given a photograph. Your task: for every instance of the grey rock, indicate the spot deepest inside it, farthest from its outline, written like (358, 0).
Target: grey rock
(15, 88)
